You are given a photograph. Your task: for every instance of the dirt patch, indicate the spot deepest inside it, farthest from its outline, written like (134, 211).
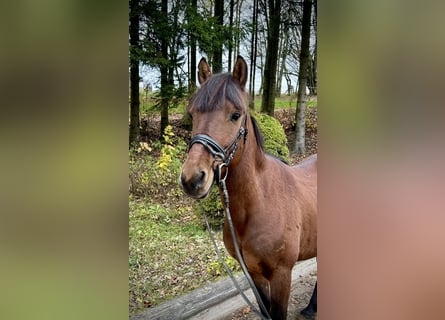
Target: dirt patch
(300, 295)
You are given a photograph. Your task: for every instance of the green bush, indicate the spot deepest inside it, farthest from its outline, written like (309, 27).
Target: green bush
(187, 121)
(216, 268)
(275, 140)
(151, 177)
(213, 209)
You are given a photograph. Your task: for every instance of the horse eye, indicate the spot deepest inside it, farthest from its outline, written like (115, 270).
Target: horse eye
(235, 116)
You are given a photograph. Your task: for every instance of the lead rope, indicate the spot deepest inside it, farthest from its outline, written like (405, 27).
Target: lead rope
(222, 183)
(232, 277)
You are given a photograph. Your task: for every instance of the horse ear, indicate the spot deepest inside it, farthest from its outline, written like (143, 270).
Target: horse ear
(204, 71)
(240, 71)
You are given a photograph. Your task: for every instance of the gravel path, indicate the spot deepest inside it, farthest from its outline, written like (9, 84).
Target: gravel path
(304, 276)
(300, 295)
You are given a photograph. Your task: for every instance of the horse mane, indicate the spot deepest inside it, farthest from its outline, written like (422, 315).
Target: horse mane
(258, 136)
(214, 93)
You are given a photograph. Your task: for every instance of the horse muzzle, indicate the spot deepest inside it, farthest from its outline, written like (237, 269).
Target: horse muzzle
(197, 174)
(196, 185)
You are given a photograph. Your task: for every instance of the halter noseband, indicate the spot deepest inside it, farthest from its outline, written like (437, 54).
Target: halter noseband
(219, 153)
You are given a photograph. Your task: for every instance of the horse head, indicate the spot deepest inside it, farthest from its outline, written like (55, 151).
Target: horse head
(218, 110)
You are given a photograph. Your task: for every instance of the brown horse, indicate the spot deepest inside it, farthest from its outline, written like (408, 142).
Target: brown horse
(273, 205)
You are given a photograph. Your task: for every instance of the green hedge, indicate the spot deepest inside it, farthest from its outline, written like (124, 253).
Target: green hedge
(275, 140)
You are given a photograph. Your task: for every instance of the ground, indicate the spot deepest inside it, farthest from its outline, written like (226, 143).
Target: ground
(300, 296)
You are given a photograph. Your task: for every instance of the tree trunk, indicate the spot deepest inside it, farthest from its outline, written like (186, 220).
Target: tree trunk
(192, 84)
(313, 64)
(253, 48)
(279, 69)
(270, 67)
(302, 78)
(312, 73)
(217, 51)
(289, 84)
(164, 69)
(255, 52)
(238, 7)
(134, 73)
(230, 44)
(260, 91)
(284, 43)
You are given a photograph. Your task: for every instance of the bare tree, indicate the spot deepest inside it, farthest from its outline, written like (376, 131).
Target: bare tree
(230, 44)
(253, 51)
(192, 38)
(239, 6)
(302, 78)
(282, 56)
(164, 68)
(218, 46)
(312, 77)
(270, 67)
(134, 72)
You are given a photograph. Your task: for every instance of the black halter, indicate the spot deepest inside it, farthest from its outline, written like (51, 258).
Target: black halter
(220, 155)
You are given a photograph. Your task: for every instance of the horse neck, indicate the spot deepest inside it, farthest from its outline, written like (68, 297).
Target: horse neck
(243, 173)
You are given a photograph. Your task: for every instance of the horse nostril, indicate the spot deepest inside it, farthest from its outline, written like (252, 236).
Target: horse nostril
(202, 176)
(195, 181)
(198, 179)
(183, 179)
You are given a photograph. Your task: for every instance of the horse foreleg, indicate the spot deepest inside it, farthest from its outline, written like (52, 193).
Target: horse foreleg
(311, 309)
(262, 285)
(280, 283)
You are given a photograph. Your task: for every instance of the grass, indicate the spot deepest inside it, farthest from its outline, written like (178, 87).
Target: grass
(170, 252)
(148, 104)
(283, 102)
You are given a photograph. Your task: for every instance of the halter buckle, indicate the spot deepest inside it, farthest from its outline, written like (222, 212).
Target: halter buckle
(218, 173)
